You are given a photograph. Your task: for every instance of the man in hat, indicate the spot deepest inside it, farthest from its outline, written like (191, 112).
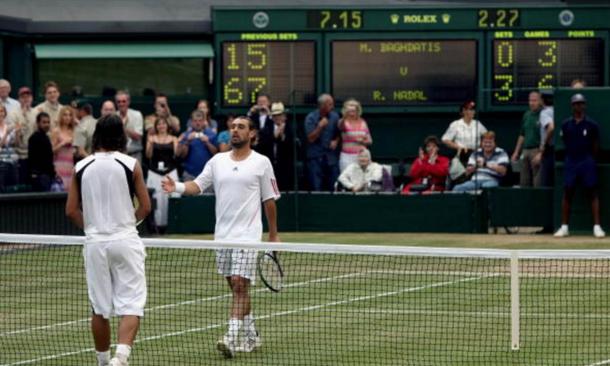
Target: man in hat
(83, 136)
(23, 122)
(581, 139)
(282, 148)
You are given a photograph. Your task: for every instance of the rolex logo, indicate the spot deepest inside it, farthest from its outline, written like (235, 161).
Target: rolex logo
(446, 18)
(394, 18)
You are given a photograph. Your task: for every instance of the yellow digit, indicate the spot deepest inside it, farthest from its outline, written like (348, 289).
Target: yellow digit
(501, 16)
(506, 89)
(257, 58)
(232, 51)
(483, 15)
(546, 82)
(260, 83)
(505, 54)
(325, 18)
(550, 55)
(343, 17)
(232, 94)
(514, 16)
(356, 19)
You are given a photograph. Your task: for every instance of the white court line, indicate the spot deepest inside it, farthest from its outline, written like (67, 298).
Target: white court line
(600, 363)
(189, 302)
(268, 316)
(476, 313)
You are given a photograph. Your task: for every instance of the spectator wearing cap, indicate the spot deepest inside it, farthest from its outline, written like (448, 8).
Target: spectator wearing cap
(464, 134)
(362, 175)
(133, 122)
(581, 139)
(162, 110)
(528, 142)
(83, 135)
(51, 104)
(355, 134)
(486, 166)
(321, 128)
(23, 123)
(429, 171)
(9, 103)
(282, 149)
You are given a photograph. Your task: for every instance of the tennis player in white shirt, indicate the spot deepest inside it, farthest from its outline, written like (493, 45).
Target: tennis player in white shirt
(243, 182)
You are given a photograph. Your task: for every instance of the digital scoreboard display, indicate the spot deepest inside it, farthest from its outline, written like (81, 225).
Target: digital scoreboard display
(285, 70)
(404, 72)
(522, 65)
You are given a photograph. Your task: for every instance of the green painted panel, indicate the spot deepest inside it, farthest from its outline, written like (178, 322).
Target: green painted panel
(124, 50)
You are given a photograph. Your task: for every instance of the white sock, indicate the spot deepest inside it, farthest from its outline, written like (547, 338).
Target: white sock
(103, 358)
(249, 324)
(564, 227)
(234, 326)
(122, 352)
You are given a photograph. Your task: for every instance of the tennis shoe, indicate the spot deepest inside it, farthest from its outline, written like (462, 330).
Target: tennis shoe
(598, 232)
(117, 362)
(226, 346)
(250, 343)
(562, 232)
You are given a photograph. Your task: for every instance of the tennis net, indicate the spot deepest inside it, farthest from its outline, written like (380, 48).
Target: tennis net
(340, 305)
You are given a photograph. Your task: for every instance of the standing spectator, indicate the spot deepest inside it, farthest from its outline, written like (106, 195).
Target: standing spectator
(464, 134)
(546, 155)
(529, 141)
(224, 137)
(134, 124)
(5, 130)
(107, 109)
(51, 104)
(487, 165)
(197, 146)
(161, 150)
(83, 134)
(40, 155)
(355, 134)
(363, 174)
(260, 113)
(282, 149)
(204, 106)
(429, 170)
(581, 138)
(162, 110)
(23, 122)
(321, 127)
(9, 103)
(62, 138)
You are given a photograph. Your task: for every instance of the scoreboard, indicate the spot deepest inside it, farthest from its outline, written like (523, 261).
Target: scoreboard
(407, 59)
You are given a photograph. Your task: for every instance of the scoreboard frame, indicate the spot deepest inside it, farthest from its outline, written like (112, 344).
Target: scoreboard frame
(466, 22)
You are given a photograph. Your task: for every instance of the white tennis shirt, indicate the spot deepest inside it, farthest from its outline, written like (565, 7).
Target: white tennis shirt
(106, 185)
(240, 188)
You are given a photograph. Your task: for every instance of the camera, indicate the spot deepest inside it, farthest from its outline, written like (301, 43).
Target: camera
(198, 135)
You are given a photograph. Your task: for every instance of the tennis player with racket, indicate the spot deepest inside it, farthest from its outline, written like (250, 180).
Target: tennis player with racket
(104, 185)
(243, 183)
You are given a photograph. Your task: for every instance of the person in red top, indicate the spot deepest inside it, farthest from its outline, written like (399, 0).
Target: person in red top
(429, 171)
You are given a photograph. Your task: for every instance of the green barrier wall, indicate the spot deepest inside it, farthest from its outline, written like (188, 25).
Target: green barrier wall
(520, 207)
(35, 213)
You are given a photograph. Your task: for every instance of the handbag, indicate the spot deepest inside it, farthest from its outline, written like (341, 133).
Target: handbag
(57, 185)
(456, 169)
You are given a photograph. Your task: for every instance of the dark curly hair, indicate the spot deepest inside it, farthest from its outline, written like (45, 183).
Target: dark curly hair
(109, 134)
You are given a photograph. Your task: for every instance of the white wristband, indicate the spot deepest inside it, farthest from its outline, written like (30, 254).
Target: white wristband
(180, 187)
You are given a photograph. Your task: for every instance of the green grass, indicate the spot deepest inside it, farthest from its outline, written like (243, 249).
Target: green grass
(337, 309)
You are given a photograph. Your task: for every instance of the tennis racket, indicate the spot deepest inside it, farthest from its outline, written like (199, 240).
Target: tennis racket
(136, 204)
(270, 271)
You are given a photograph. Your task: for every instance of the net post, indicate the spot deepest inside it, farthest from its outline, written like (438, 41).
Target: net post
(514, 300)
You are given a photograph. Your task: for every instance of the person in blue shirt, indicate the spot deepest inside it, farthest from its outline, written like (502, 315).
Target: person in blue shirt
(224, 137)
(581, 139)
(196, 146)
(321, 128)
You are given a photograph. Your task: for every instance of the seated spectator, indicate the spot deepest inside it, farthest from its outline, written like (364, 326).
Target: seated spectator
(363, 175)
(62, 138)
(282, 148)
(162, 151)
(429, 171)
(5, 131)
(23, 123)
(486, 166)
(9, 103)
(224, 137)
(40, 155)
(83, 134)
(51, 104)
(464, 134)
(196, 146)
(133, 122)
(204, 106)
(162, 110)
(355, 134)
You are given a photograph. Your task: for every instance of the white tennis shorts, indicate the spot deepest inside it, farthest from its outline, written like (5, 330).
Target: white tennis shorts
(237, 262)
(115, 277)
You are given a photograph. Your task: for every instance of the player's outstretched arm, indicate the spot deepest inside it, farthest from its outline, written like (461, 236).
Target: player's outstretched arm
(73, 210)
(141, 193)
(187, 188)
(271, 214)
